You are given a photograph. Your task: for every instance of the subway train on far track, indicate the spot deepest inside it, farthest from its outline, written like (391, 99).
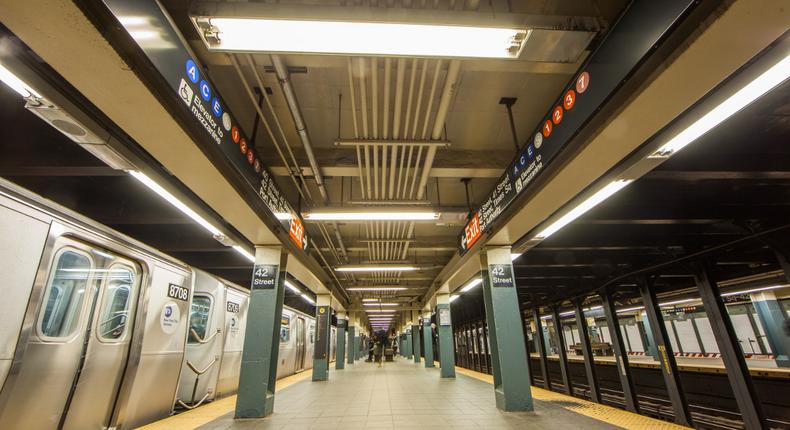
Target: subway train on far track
(100, 331)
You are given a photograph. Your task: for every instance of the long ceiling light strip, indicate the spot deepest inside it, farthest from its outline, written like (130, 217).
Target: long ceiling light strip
(16, 84)
(376, 268)
(359, 38)
(592, 201)
(178, 204)
(755, 89)
(376, 288)
(370, 216)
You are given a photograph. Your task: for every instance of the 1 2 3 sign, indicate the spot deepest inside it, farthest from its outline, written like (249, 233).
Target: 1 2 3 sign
(263, 276)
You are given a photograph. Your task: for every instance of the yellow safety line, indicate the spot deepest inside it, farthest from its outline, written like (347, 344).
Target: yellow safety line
(607, 414)
(209, 412)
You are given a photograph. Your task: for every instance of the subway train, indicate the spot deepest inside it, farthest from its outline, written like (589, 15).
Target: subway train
(99, 331)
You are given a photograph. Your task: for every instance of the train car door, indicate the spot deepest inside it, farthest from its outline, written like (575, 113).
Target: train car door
(236, 304)
(300, 345)
(204, 341)
(70, 370)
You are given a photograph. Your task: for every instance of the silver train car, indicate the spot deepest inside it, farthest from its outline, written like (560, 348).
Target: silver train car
(100, 331)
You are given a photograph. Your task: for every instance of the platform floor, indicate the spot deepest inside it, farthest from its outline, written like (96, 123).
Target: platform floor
(404, 394)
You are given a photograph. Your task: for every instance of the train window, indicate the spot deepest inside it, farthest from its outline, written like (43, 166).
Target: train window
(65, 294)
(199, 318)
(285, 329)
(114, 315)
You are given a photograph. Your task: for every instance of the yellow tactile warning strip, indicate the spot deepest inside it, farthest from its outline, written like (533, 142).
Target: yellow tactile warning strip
(608, 414)
(207, 413)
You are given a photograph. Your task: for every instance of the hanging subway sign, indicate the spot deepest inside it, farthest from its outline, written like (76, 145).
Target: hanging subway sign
(151, 28)
(633, 36)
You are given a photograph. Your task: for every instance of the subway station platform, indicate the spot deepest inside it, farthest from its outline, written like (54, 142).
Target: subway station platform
(404, 394)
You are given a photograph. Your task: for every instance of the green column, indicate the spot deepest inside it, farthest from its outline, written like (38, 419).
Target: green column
(357, 346)
(508, 351)
(323, 333)
(427, 336)
(444, 328)
(351, 336)
(409, 342)
(415, 337)
(262, 336)
(773, 319)
(340, 348)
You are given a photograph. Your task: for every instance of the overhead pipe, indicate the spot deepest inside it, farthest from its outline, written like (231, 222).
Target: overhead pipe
(283, 76)
(448, 92)
(265, 123)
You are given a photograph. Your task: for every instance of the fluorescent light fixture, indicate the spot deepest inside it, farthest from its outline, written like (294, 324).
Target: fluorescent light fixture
(131, 20)
(754, 290)
(453, 297)
(380, 310)
(676, 302)
(371, 216)
(292, 287)
(361, 38)
(375, 268)
(584, 206)
(376, 288)
(144, 34)
(742, 98)
(370, 300)
(514, 256)
(638, 308)
(308, 299)
(379, 304)
(471, 284)
(148, 182)
(17, 84)
(245, 253)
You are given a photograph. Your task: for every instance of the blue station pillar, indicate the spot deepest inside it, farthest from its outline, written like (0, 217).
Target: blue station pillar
(262, 336)
(773, 319)
(444, 328)
(323, 334)
(508, 350)
(427, 338)
(340, 348)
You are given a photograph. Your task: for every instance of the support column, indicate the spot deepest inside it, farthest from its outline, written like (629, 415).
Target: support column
(544, 360)
(340, 348)
(409, 341)
(444, 327)
(650, 348)
(427, 336)
(415, 335)
(323, 333)
(508, 352)
(773, 319)
(562, 351)
(357, 338)
(737, 372)
(620, 354)
(669, 367)
(589, 359)
(352, 332)
(262, 334)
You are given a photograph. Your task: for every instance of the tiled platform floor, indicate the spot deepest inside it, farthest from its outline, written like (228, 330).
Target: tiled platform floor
(401, 395)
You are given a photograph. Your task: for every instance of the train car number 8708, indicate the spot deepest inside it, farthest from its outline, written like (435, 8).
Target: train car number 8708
(178, 292)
